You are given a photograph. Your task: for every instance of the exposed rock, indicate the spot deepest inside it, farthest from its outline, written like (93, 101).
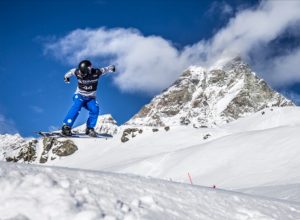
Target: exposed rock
(47, 145)
(206, 98)
(185, 121)
(145, 111)
(20, 150)
(56, 147)
(167, 128)
(206, 136)
(130, 132)
(124, 139)
(64, 148)
(11, 159)
(155, 130)
(43, 159)
(26, 153)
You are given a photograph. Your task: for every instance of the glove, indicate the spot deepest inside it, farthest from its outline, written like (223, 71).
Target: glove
(67, 80)
(111, 68)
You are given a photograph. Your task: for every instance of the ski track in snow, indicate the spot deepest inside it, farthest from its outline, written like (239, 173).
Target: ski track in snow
(34, 192)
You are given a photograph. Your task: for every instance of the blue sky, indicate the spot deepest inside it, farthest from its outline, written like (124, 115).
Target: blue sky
(151, 42)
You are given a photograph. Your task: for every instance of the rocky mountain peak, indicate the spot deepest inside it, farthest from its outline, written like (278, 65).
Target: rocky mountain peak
(204, 98)
(233, 63)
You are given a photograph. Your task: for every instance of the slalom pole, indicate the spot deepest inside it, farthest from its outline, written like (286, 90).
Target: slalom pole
(190, 178)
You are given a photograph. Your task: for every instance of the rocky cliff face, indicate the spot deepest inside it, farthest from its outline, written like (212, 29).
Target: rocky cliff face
(204, 98)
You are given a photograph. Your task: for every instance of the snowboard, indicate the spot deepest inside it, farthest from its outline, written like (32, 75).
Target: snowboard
(74, 135)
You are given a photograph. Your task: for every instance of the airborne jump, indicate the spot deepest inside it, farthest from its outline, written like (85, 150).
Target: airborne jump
(85, 95)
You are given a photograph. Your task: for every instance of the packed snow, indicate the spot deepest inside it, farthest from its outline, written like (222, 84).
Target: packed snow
(34, 192)
(257, 151)
(257, 156)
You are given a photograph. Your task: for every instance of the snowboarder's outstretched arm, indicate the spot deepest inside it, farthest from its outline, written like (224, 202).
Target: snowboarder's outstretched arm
(107, 69)
(70, 73)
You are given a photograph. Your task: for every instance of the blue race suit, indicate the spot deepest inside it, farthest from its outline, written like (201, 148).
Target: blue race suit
(85, 95)
(89, 103)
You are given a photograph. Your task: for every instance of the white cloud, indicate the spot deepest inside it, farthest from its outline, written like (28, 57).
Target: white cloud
(282, 70)
(146, 64)
(249, 29)
(7, 125)
(151, 63)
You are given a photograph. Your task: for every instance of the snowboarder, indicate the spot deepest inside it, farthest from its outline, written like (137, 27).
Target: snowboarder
(85, 95)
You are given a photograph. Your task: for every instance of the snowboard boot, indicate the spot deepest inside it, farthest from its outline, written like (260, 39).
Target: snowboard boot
(91, 132)
(66, 130)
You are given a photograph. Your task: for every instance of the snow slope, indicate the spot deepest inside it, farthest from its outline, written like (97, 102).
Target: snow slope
(235, 161)
(256, 155)
(33, 192)
(256, 151)
(290, 192)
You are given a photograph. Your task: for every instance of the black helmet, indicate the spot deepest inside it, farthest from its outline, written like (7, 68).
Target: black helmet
(85, 66)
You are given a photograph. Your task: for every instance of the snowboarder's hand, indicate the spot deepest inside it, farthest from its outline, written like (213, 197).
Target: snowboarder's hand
(111, 68)
(67, 80)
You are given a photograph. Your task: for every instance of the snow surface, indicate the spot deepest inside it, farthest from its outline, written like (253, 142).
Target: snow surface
(256, 151)
(257, 155)
(34, 192)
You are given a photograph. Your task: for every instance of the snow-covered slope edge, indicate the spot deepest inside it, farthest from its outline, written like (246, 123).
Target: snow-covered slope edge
(57, 193)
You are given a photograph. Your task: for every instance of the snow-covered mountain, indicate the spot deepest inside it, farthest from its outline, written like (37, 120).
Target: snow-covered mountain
(205, 98)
